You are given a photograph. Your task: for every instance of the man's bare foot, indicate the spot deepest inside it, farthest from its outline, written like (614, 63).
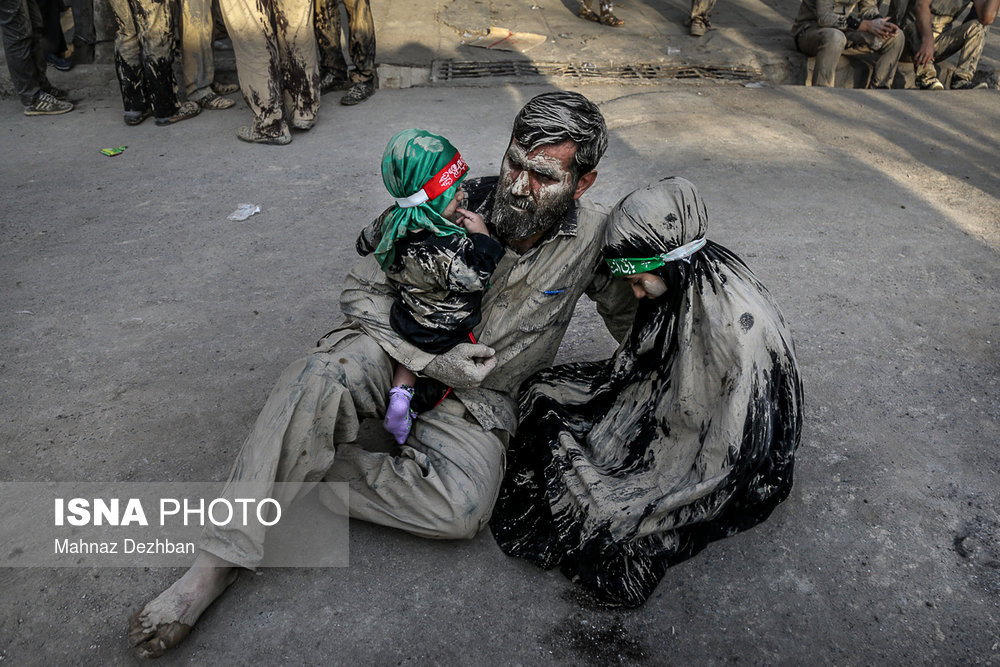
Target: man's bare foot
(166, 620)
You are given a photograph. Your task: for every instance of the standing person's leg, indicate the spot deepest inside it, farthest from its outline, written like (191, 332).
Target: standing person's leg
(197, 54)
(154, 26)
(256, 48)
(332, 65)
(826, 45)
(84, 34)
(128, 64)
(53, 40)
(299, 61)
(361, 46)
(18, 40)
(701, 11)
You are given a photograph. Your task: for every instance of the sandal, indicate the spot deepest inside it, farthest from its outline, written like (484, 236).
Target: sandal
(184, 111)
(216, 102)
(605, 17)
(225, 88)
(248, 133)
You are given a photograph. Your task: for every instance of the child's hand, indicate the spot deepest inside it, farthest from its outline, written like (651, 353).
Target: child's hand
(472, 222)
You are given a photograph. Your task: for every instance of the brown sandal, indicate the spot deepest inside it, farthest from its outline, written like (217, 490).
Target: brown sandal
(216, 102)
(184, 111)
(605, 17)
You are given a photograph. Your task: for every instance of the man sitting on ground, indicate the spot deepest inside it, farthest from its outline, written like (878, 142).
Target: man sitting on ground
(444, 481)
(933, 34)
(828, 29)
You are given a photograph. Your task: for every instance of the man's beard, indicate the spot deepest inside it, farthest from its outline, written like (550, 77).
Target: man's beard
(511, 225)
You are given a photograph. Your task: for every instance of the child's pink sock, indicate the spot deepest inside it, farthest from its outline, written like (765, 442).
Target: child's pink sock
(398, 416)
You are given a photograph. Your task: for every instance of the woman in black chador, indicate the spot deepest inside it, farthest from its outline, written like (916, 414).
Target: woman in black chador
(622, 468)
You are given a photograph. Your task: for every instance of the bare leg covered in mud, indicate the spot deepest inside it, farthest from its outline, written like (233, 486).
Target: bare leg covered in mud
(166, 620)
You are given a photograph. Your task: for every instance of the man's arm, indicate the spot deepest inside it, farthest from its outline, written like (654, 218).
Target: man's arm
(925, 53)
(986, 10)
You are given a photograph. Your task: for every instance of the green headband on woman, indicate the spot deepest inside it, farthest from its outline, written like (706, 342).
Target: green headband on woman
(630, 266)
(422, 171)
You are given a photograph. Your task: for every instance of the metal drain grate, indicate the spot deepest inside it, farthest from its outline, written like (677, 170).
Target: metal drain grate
(453, 70)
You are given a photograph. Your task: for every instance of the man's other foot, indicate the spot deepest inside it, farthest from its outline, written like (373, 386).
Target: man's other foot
(166, 620)
(359, 92)
(45, 104)
(966, 84)
(249, 134)
(698, 27)
(931, 83)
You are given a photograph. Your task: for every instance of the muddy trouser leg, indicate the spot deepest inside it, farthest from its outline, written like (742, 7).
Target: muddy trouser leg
(18, 37)
(149, 41)
(968, 40)
(701, 9)
(197, 57)
(442, 484)
(826, 45)
(256, 48)
(331, 57)
(299, 60)
(361, 39)
(128, 58)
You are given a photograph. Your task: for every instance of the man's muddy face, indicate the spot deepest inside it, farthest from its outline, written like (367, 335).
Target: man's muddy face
(535, 190)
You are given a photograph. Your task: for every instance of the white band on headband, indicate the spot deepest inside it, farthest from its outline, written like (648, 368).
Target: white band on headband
(684, 251)
(416, 199)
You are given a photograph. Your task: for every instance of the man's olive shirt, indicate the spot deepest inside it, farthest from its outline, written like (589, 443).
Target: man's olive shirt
(525, 312)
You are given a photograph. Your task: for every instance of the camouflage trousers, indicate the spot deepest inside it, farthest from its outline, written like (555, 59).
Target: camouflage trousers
(19, 22)
(701, 9)
(276, 59)
(828, 44)
(966, 39)
(144, 55)
(441, 484)
(360, 42)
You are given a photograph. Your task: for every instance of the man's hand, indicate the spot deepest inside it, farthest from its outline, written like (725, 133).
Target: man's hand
(925, 54)
(880, 27)
(463, 366)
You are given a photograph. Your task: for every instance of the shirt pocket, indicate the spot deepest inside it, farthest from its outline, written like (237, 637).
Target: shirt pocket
(545, 301)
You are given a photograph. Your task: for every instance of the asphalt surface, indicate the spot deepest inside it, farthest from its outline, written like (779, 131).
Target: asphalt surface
(142, 331)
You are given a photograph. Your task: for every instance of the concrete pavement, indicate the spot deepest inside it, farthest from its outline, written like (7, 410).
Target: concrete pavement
(142, 330)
